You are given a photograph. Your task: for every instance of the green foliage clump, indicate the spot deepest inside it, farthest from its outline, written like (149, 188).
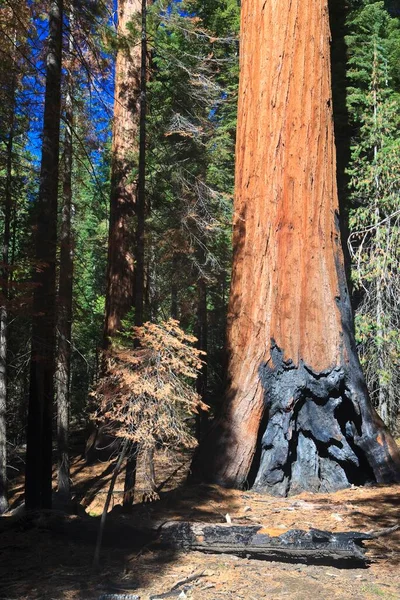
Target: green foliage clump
(374, 107)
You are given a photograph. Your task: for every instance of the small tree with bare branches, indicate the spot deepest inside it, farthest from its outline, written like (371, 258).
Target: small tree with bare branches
(148, 393)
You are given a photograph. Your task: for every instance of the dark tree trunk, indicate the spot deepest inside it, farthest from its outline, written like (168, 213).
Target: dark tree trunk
(151, 468)
(4, 297)
(174, 287)
(297, 413)
(65, 299)
(202, 338)
(3, 407)
(130, 478)
(38, 480)
(338, 10)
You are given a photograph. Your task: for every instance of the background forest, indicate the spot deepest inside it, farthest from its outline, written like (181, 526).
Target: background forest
(180, 160)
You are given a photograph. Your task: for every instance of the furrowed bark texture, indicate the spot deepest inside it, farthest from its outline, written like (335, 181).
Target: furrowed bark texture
(120, 294)
(141, 186)
(293, 364)
(38, 477)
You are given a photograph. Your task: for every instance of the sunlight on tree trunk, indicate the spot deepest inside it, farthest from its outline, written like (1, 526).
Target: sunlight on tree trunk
(297, 414)
(125, 157)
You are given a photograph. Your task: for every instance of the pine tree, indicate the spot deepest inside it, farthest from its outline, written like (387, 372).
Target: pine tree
(65, 287)
(192, 120)
(375, 183)
(38, 477)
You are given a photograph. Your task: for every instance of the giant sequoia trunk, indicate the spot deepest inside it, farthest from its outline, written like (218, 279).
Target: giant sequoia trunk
(38, 481)
(297, 414)
(125, 160)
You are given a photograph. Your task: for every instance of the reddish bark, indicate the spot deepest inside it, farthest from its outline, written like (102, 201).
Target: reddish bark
(125, 276)
(125, 152)
(293, 363)
(141, 186)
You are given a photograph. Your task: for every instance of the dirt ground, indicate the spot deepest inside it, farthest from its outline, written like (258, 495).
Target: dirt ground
(50, 558)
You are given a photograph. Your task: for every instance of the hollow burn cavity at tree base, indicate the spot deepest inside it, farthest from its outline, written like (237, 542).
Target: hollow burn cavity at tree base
(319, 435)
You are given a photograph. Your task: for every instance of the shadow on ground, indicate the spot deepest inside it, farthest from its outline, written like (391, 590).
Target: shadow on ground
(50, 557)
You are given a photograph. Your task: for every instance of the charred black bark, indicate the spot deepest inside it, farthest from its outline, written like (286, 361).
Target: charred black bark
(254, 541)
(318, 435)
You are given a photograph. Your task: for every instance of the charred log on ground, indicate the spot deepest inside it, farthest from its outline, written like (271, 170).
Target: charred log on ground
(255, 541)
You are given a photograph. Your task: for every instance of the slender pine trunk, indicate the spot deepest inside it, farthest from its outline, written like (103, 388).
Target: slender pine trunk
(117, 469)
(38, 477)
(130, 475)
(174, 287)
(141, 192)
(65, 298)
(383, 396)
(4, 296)
(202, 339)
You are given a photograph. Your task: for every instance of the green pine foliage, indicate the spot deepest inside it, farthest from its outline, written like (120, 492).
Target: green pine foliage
(191, 133)
(374, 107)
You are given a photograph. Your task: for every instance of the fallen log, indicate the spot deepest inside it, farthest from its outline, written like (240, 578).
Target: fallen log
(255, 541)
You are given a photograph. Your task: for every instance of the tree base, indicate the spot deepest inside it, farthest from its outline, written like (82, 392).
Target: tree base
(320, 435)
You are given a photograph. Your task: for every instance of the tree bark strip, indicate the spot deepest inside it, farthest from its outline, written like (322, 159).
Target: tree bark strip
(38, 480)
(124, 176)
(4, 297)
(202, 344)
(131, 464)
(293, 368)
(65, 295)
(141, 192)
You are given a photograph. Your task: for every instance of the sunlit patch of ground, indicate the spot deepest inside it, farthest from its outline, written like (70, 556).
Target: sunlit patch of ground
(53, 561)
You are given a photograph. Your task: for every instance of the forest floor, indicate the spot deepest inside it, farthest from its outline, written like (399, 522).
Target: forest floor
(50, 558)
